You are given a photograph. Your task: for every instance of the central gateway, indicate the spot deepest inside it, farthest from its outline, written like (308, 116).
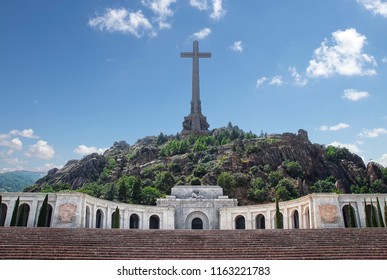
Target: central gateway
(197, 207)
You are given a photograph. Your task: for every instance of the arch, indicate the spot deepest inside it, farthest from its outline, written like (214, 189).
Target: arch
(49, 215)
(87, 222)
(349, 216)
(99, 219)
(240, 222)
(197, 214)
(113, 225)
(260, 222)
(154, 222)
(372, 216)
(197, 223)
(3, 214)
(22, 215)
(134, 221)
(295, 219)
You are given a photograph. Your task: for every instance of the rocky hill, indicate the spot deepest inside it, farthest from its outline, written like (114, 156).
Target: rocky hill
(250, 168)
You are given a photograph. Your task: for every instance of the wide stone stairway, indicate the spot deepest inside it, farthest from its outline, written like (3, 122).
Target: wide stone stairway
(58, 243)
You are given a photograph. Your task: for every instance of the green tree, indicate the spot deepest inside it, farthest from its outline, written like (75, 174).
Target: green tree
(285, 190)
(116, 219)
(164, 182)
(15, 213)
(324, 186)
(124, 188)
(278, 216)
(293, 168)
(378, 187)
(380, 216)
(200, 170)
(42, 220)
(274, 177)
(352, 218)
(110, 192)
(385, 213)
(367, 215)
(150, 195)
(374, 222)
(226, 181)
(195, 181)
(136, 189)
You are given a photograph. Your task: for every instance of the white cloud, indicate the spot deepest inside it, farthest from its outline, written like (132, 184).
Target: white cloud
(14, 161)
(298, 79)
(336, 127)
(47, 167)
(353, 148)
(121, 20)
(384, 59)
(162, 10)
(27, 133)
(377, 7)
(355, 95)
(373, 133)
(199, 4)
(345, 56)
(237, 46)
(382, 160)
(201, 34)
(14, 144)
(276, 81)
(260, 82)
(84, 150)
(218, 12)
(41, 150)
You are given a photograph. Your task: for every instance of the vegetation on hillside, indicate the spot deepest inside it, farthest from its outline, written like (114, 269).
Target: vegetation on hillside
(18, 180)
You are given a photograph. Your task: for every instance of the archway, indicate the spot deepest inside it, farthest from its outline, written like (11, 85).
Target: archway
(22, 216)
(372, 214)
(49, 215)
(3, 214)
(189, 221)
(295, 219)
(260, 222)
(134, 221)
(197, 223)
(154, 222)
(280, 224)
(99, 219)
(240, 222)
(115, 223)
(306, 218)
(349, 216)
(87, 222)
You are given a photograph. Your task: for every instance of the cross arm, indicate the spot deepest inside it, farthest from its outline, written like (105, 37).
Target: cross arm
(187, 54)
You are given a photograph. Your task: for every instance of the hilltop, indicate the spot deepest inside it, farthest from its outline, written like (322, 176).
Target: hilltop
(17, 180)
(251, 168)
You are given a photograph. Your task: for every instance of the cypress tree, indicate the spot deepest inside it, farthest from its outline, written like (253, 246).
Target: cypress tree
(116, 218)
(14, 213)
(380, 215)
(385, 213)
(372, 216)
(352, 219)
(278, 220)
(42, 220)
(367, 215)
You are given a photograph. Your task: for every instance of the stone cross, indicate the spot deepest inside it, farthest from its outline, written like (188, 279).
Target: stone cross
(195, 123)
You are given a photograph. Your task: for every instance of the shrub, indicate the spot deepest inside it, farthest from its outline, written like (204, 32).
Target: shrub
(164, 182)
(285, 190)
(195, 181)
(149, 195)
(226, 181)
(324, 186)
(293, 168)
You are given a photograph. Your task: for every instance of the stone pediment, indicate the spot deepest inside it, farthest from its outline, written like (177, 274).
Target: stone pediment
(197, 192)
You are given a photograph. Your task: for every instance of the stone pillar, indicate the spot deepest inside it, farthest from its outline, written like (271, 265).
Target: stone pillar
(34, 212)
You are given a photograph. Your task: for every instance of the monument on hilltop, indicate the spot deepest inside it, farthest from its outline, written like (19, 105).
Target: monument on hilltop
(195, 122)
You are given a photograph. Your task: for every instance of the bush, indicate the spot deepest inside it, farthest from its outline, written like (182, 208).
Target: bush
(164, 182)
(257, 183)
(293, 168)
(195, 181)
(149, 195)
(274, 177)
(337, 153)
(286, 190)
(226, 181)
(258, 195)
(324, 186)
(200, 171)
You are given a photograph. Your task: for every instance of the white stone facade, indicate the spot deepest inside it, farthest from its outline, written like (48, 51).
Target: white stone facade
(191, 207)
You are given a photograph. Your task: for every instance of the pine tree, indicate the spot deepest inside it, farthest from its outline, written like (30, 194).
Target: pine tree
(42, 220)
(116, 219)
(380, 215)
(15, 212)
(367, 215)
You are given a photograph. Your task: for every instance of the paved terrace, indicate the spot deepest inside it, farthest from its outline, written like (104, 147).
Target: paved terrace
(59, 243)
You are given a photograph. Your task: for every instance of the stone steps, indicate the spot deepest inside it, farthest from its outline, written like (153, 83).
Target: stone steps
(56, 243)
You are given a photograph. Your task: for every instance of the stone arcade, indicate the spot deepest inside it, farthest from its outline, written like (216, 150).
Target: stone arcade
(190, 207)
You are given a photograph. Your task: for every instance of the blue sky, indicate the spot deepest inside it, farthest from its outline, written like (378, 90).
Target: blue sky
(76, 76)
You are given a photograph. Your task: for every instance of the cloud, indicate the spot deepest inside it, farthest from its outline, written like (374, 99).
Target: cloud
(218, 12)
(162, 10)
(382, 160)
(260, 82)
(15, 161)
(41, 150)
(377, 7)
(276, 81)
(84, 150)
(13, 144)
(384, 59)
(344, 57)
(123, 21)
(298, 79)
(201, 34)
(373, 133)
(27, 133)
(237, 46)
(336, 127)
(353, 148)
(199, 4)
(47, 167)
(354, 95)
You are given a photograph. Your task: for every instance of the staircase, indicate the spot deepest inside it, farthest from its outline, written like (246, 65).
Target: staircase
(89, 244)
